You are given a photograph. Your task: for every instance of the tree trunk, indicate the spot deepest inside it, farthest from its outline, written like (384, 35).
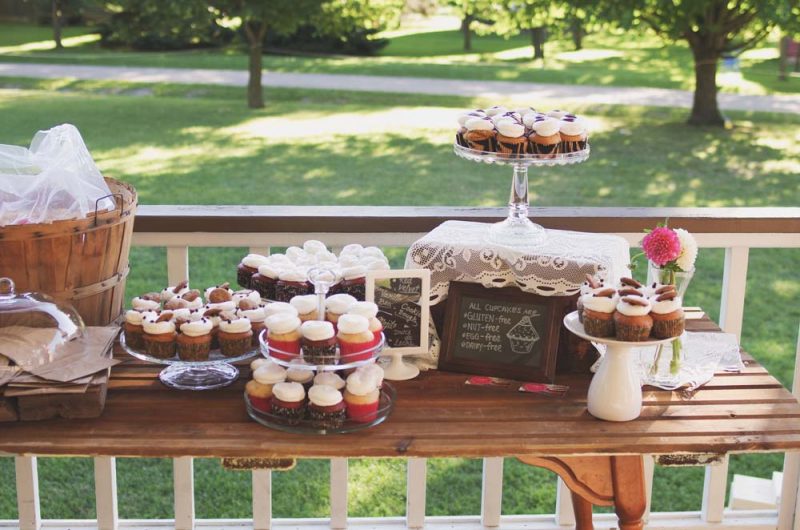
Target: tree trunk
(466, 24)
(784, 58)
(55, 17)
(576, 29)
(538, 36)
(705, 110)
(255, 38)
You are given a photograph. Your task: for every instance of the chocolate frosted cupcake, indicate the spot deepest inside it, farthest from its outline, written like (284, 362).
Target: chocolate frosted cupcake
(326, 407)
(194, 340)
(319, 342)
(160, 336)
(289, 402)
(481, 135)
(667, 313)
(248, 267)
(632, 321)
(598, 312)
(235, 337)
(511, 139)
(545, 140)
(573, 134)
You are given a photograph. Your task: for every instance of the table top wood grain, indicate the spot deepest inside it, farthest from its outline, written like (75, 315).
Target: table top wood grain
(436, 415)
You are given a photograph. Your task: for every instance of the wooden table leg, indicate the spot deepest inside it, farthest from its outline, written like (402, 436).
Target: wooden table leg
(603, 480)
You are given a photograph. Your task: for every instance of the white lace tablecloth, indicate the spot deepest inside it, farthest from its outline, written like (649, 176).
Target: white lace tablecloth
(460, 251)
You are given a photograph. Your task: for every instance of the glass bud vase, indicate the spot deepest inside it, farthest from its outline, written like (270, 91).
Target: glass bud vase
(680, 280)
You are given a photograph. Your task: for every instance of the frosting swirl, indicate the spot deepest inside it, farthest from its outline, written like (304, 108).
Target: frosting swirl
(662, 307)
(133, 317)
(299, 375)
(292, 275)
(254, 261)
(317, 330)
(281, 323)
(374, 371)
(573, 127)
(352, 248)
(312, 246)
(479, 124)
(339, 303)
(304, 304)
(352, 324)
(511, 128)
(269, 374)
(253, 315)
(197, 328)
(329, 379)
(546, 127)
(640, 308)
(351, 273)
(236, 325)
(144, 304)
(274, 308)
(324, 396)
(361, 384)
(246, 294)
(153, 327)
(289, 392)
(601, 304)
(365, 309)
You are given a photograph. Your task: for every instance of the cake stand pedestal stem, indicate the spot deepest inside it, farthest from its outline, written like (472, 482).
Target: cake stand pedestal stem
(518, 202)
(615, 393)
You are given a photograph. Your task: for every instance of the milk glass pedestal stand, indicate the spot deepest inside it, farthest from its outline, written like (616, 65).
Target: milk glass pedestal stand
(398, 369)
(615, 393)
(517, 230)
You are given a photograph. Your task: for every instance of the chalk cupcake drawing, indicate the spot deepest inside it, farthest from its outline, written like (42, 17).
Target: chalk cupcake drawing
(523, 336)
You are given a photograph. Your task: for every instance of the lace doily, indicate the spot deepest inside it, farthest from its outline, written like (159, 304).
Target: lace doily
(460, 251)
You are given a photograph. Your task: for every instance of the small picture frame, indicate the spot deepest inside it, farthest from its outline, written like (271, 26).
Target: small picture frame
(502, 332)
(403, 299)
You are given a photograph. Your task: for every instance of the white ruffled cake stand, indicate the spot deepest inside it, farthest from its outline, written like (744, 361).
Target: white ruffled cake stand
(615, 393)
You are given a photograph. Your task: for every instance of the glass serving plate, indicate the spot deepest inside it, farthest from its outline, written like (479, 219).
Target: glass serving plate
(342, 362)
(308, 426)
(517, 230)
(216, 372)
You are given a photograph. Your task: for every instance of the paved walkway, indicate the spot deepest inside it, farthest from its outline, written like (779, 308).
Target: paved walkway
(658, 97)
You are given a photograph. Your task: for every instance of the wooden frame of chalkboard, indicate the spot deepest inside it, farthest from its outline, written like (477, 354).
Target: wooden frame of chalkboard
(405, 321)
(502, 332)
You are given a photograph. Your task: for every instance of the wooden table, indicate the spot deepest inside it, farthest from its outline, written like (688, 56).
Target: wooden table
(436, 415)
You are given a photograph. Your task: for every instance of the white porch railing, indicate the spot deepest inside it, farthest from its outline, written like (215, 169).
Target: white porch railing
(735, 230)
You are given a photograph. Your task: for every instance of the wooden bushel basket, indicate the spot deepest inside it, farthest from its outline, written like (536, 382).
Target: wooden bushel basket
(83, 261)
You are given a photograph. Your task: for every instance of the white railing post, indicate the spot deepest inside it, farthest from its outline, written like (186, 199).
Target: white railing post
(262, 499)
(27, 472)
(105, 491)
(649, 471)
(416, 490)
(789, 514)
(177, 264)
(731, 316)
(565, 510)
(264, 251)
(183, 481)
(338, 493)
(492, 492)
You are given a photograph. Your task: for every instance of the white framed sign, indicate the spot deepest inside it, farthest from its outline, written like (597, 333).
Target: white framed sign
(403, 300)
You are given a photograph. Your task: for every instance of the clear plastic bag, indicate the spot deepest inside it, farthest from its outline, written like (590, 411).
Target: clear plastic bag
(53, 180)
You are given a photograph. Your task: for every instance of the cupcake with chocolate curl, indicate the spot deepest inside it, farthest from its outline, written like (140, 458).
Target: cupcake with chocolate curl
(194, 340)
(632, 320)
(255, 314)
(160, 335)
(168, 293)
(667, 313)
(598, 312)
(235, 337)
(134, 332)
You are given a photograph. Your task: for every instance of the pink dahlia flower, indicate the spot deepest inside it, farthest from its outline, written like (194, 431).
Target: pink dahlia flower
(661, 246)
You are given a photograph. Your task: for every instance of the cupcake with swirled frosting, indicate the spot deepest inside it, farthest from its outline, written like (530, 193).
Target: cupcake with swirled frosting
(256, 315)
(356, 341)
(667, 313)
(134, 332)
(307, 307)
(291, 283)
(289, 402)
(259, 389)
(283, 335)
(235, 337)
(160, 335)
(573, 134)
(511, 139)
(462, 129)
(546, 139)
(326, 407)
(265, 279)
(362, 397)
(632, 320)
(481, 134)
(194, 340)
(598, 312)
(369, 310)
(248, 267)
(319, 342)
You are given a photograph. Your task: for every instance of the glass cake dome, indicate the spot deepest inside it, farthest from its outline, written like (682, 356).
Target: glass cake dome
(36, 310)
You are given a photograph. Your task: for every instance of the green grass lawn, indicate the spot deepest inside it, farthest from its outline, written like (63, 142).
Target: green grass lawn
(609, 58)
(200, 145)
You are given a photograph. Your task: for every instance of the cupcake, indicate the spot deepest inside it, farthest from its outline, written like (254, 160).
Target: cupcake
(147, 302)
(160, 335)
(289, 402)
(223, 286)
(258, 363)
(462, 130)
(235, 337)
(588, 288)
(667, 314)
(248, 267)
(168, 293)
(545, 140)
(246, 294)
(220, 298)
(511, 139)
(283, 336)
(194, 340)
(255, 314)
(192, 298)
(374, 371)
(300, 372)
(598, 312)
(319, 342)
(291, 283)
(361, 396)
(307, 307)
(337, 305)
(265, 279)
(356, 341)
(368, 310)
(523, 336)
(632, 320)
(274, 308)
(329, 379)
(354, 281)
(573, 134)
(480, 134)
(134, 332)
(326, 407)
(176, 303)
(259, 389)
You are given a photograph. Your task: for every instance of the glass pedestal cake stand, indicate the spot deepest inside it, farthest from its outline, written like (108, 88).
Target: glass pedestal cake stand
(217, 372)
(615, 393)
(517, 230)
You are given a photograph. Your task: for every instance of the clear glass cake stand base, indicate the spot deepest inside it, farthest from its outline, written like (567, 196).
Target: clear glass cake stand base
(517, 230)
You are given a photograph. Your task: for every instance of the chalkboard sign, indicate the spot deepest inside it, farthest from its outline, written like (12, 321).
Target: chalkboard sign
(501, 332)
(402, 298)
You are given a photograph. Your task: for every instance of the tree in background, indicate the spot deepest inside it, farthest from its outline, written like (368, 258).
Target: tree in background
(533, 16)
(470, 11)
(256, 18)
(712, 28)
(56, 16)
